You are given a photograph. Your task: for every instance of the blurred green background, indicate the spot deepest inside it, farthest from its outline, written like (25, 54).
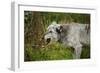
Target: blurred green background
(35, 24)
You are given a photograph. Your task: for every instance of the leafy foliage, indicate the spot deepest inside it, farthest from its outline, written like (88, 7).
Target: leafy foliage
(51, 52)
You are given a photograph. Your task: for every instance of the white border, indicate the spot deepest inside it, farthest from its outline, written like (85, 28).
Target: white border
(17, 61)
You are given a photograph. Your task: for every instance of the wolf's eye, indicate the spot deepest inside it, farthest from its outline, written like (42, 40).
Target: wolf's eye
(50, 31)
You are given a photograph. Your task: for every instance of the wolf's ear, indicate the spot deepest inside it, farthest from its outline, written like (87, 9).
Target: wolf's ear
(59, 29)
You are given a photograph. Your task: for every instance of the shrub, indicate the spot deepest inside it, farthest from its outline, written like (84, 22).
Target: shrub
(54, 51)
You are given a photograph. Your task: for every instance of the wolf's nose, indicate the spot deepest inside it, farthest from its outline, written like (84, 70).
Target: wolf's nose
(48, 40)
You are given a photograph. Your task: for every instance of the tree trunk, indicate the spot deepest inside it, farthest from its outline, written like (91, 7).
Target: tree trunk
(38, 29)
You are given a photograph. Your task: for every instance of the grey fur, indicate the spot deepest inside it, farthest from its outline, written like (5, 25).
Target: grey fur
(70, 35)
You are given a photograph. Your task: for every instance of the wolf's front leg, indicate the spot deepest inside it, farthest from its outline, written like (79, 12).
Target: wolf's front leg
(77, 51)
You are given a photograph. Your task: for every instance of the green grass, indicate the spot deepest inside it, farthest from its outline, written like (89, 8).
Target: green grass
(54, 51)
(85, 52)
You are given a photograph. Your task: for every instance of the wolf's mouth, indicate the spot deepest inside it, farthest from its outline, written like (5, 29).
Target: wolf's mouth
(48, 40)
